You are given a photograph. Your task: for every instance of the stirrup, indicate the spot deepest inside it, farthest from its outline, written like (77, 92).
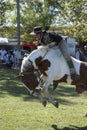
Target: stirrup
(75, 76)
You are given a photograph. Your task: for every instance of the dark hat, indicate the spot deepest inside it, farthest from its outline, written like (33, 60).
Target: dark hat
(36, 30)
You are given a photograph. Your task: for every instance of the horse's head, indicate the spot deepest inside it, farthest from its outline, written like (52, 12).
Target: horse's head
(30, 80)
(27, 75)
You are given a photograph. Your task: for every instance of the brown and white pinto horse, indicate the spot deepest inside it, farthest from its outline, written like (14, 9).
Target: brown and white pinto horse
(51, 65)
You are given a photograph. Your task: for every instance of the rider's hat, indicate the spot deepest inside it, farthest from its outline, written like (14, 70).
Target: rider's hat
(36, 30)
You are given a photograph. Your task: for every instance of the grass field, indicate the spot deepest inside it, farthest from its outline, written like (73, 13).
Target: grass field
(20, 111)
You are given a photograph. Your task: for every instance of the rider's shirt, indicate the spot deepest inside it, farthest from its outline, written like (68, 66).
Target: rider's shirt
(50, 37)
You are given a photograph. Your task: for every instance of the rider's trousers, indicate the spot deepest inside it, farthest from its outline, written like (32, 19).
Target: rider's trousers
(64, 49)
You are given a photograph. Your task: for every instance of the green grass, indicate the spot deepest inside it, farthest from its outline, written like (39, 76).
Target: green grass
(21, 111)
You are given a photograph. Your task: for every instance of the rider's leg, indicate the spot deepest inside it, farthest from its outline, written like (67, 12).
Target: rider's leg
(64, 49)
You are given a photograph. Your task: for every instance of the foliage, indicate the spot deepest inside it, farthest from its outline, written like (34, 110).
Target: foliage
(65, 13)
(39, 13)
(7, 15)
(75, 13)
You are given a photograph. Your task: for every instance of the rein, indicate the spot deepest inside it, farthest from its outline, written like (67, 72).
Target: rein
(45, 54)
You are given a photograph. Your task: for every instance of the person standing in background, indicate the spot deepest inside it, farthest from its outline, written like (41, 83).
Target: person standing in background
(17, 57)
(79, 53)
(85, 53)
(2, 52)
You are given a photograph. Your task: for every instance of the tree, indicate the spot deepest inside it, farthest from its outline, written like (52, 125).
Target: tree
(75, 16)
(39, 13)
(72, 15)
(6, 10)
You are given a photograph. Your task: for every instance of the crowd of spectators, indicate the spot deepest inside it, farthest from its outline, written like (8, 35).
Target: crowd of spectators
(10, 59)
(81, 53)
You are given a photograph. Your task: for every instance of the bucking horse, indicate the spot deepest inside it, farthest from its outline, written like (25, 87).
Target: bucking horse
(46, 65)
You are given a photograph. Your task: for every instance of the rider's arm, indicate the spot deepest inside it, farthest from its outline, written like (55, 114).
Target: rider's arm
(56, 38)
(49, 38)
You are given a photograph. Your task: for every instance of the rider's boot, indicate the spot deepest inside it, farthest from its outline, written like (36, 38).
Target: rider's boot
(73, 74)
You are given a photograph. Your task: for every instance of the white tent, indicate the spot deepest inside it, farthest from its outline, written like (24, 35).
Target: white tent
(3, 40)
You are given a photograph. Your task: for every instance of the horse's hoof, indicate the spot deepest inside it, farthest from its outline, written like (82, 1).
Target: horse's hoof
(56, 104)
(44, 103)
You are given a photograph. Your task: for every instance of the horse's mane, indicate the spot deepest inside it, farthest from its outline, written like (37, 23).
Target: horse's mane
(44, 49)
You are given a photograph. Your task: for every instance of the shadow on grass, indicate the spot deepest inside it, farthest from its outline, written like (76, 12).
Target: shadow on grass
(63, 93)
(55, 127)
(12, 86)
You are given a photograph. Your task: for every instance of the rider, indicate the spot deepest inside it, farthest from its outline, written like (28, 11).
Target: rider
(51, 39)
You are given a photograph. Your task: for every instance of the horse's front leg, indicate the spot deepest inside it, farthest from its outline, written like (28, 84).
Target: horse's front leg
(37, 93)
(45, 90)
